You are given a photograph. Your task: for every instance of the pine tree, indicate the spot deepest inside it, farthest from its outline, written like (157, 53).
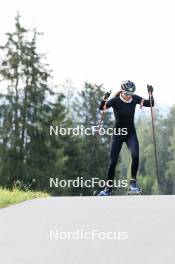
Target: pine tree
(170, 162)
(27, 152)
(95, 148)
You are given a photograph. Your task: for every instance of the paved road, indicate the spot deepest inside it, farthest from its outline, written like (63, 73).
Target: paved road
(122, 230)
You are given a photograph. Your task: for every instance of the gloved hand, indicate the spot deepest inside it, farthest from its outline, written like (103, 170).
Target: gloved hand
(106, 95)
(150, 89)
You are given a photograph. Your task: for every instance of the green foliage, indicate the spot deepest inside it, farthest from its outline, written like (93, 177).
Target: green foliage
(9, 197)
(164, 127)
(27, 150)
(30, 156)
(94, 149)
(170, 168)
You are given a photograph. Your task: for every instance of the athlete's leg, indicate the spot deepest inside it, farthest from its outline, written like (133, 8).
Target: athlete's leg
(133, 145)
(115, 147)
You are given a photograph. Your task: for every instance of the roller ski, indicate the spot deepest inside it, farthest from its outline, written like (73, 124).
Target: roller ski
(134, 189)
(106, 192)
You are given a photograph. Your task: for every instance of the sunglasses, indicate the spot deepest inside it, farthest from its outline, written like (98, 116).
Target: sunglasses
(128, 93)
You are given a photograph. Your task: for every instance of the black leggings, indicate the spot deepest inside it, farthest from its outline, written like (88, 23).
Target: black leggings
(115, 147)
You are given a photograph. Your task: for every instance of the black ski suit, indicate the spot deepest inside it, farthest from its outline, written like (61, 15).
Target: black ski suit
(124, 118)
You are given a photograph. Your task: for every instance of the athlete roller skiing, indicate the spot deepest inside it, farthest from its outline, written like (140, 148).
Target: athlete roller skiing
(124, 104)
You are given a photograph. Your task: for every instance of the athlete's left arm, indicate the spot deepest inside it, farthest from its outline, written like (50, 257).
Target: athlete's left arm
(144, 102)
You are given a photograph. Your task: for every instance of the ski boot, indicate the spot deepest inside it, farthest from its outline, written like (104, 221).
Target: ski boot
(134, 189)
(106, 192)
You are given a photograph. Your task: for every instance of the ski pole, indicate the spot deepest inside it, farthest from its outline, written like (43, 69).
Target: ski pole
(102, 117)
(99, 126)
(94, 146)
(106, 96)
(150, 90)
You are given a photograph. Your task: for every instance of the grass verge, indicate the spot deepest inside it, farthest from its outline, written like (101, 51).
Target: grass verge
(9, 197)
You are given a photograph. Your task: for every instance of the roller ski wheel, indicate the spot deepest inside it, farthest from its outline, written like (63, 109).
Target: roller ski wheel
(134, 190)
(106, 192)
(95, 193)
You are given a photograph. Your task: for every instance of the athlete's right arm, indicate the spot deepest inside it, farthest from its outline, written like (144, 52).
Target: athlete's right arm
(105, 105)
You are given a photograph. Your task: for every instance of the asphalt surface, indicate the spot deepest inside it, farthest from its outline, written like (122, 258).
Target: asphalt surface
(75, 230)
